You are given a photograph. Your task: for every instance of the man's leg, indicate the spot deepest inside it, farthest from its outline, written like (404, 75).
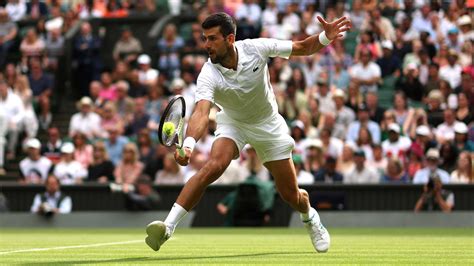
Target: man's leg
(222, 152)
(283, 171)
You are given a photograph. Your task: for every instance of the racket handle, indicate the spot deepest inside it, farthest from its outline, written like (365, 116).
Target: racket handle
(181, 152)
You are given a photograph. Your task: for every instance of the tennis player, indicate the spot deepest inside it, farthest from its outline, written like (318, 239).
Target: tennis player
(236, 79)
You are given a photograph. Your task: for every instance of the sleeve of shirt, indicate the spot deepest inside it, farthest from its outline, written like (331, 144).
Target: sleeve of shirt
(273, 48)
(450, 199)
(66, 205)
(205, 86)
(36, 204)
(377, 71)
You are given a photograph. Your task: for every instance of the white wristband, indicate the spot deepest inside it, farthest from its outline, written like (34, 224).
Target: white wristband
(323, 39)
(189, 142)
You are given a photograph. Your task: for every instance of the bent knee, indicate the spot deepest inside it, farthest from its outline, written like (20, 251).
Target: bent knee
(212, 170)
(290, 196)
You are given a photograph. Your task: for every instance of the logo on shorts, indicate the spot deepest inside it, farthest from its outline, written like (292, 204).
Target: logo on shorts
(255, 69)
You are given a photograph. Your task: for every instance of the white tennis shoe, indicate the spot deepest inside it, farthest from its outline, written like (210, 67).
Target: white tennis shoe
(158, 232)
(318, 233)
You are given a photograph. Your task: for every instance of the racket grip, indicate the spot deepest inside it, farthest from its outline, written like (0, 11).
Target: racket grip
(181, 152)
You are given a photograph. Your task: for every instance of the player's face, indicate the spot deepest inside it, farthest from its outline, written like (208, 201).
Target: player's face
(217, 45)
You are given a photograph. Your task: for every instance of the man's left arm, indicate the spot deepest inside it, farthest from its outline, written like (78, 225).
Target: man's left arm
(314, 43)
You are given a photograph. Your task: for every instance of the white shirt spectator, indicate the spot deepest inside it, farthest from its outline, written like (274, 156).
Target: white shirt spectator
(250, 12)
(35, 171)
(65, 206)
(423, 175)
(69, 172)
(370, 71)
(16, 9)
(445, 131)
(305, 178)
(148, 76)
(13, 107)
(354, 127)
(452, 74)
(326, 103)
(269, 16)
(394, 148)
(459, 178)
(335, 147)
(88, 124)
(367, 175)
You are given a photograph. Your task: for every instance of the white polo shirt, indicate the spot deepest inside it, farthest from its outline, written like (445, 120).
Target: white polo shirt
(245, 95)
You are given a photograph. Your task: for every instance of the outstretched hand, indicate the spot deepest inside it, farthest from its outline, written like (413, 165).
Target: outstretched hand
(335, 29)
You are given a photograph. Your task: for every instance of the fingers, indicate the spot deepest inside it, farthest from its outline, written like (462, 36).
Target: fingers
(182, 160)
(339, 20)
(324, 22)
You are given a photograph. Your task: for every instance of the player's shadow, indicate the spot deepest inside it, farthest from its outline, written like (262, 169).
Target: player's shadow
(159, 258)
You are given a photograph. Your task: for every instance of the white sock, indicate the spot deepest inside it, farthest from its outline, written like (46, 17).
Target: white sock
(176, 214)
(306, 217)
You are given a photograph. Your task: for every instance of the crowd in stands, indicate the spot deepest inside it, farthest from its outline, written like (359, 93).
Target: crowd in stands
(345, 129)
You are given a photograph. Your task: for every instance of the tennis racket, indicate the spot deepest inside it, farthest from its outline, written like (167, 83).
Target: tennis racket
(173, 114)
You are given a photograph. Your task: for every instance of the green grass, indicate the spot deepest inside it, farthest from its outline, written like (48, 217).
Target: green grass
(240, 246)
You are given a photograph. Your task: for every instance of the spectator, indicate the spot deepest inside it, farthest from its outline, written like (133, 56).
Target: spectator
(345, 163)
(432, 161)
(367, 45)
(331, 146)
(32, 46)
(121, 71)
(339, 78)
(310, 130)
(361, 174)
(380, 25)
(314, 156)
(298, 134)
(357, 14)
(434, 197)
(395, 172)
(461, 140)
(338, 130)
(292, 101)
(464, 172)
(52, 148)
(69, 171)
(82, 149)
(137, 89)
(463, 112)
(366, 74)
(364, 142)
(125, 104)
(379, 161)
(20, 85)
(35, 9)
(111, 119)
(115, 10)
(129, 168)
(86, 121)
(433, 79)
(171, 174)
(3, 140)
(445, 131)
(54, 48)
(16, 9)
(8, 33)
(328, 173)
(354, 96)
(363, 121)
(449, 154)
(410, 84)
(156, 105)
(108, 90)
(303, 177)
(253, 166)
(34, 168)
(414, 160)
(389, 63)
(376, 112)
(146, 75)
(115, 144)
(326, 103)
(87, 58)
(144, 197)
(145, 146)
(195, 45)
(169, 47)
(128, 47)
(248, 16)
(101, 169)
(53, 201)
(140, 118)
(395, 146)
(417, 118)
(13, 109)
(452, 71)
(435, 111)
(42, 85)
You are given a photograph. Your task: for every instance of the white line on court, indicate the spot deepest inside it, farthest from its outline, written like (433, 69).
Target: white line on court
(70, 247)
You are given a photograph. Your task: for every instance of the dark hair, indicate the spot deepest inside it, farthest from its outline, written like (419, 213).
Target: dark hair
(222, 20)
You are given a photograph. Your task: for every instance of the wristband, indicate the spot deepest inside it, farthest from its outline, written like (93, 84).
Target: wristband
(323, 39)
(189, 143)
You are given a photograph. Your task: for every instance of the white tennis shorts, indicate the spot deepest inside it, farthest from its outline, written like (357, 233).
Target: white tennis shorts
(270, 138)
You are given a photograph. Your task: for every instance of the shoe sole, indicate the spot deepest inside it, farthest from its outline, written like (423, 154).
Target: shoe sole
(155, 231)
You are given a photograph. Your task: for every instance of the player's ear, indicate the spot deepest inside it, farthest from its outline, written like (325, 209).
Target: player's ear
(230, 38)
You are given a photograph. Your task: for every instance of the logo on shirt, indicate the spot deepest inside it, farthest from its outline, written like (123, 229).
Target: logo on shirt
(255, 69)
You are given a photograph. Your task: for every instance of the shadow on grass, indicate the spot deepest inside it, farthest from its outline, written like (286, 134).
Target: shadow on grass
(156, 259)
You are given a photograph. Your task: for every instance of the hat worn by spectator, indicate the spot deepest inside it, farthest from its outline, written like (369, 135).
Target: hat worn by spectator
(33, 143)
(67, 148)
(464, 20)
(54, 24)
(85, 101)
(144, 59)
(387, 44)
(423, 130)
(436, 95)
(314, 143)
(461, 128)
(297, 123)
(432, 154)
(177, 83)
(394, 127)
(339, 93)
(453, 30)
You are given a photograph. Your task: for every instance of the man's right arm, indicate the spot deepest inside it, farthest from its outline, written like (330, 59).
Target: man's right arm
(197, 125)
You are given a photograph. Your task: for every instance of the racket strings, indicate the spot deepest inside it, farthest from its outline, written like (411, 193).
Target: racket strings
(174, 116)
